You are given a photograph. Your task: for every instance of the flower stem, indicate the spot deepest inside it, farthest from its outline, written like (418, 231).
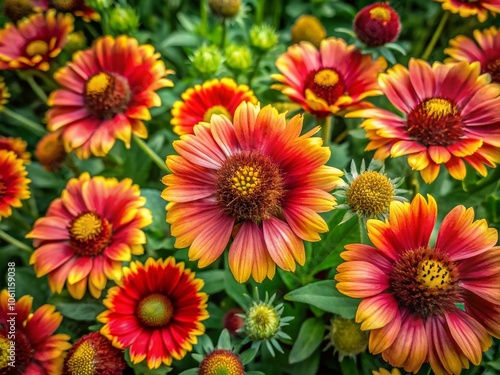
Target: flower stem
(224, 32)
(153, 155)
(326, 129)
(259, 12)
(363, 234)
(8, 238)
(255, 67)
(435, 36)
(27, 123)
(203, 17)
(35, 87)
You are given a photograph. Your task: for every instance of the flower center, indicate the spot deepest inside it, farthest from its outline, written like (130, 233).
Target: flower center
(89, 234)
(370, 194)
(66, 5)
(249, 186)
(216, 110)
(37, 47)
(221, 362)
(106, 94)
(17, 9)
(20, 353)
(82, 361)
(4, 352)
(435, 122)
(347, 337)
(380, 14)
(155, 310)
(262, 322)
(493, 68)
(326, 84)
(425, 282)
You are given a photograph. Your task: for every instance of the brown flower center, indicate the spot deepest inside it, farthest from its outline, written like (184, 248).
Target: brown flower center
(37, 47)
(89, 234)
(249, 186)
(82, 361)
(155, 310)
(106, 94)
(426, 282)
(370, 194)
(380, 14)
(67, 5)
(17, 351)
(221, 362)
(493, 68)
(326, 84)
(216, 110)
(435, 122)
(17, 9)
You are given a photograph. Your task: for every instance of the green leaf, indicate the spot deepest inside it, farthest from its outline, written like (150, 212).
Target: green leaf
(309, 339)
(85, 309)
(387, 53)
(158, 232)
(224, 340)
(234, 289)
(214, 281)
(396, 47)
(308, 366)
(179, 39)
(325, 296)
(191, 371)
(348, 366)
(248, 355)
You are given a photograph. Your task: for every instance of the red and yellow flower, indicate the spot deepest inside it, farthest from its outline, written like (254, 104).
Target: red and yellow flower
(37, 350)
(256, 179)
(17, 9)
(468, 8)
(486, 51)
(34, 41)
(332, 80)
(155, 311)
(423, 302)
(106, 94)
(79, 8)
(87, 234)
(451, 117)
(13, 182)
(50, 151)
(199, 103)
(17, 145)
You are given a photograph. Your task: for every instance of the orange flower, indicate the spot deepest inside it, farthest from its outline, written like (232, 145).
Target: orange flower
(17, 145)
(50, 151)
(156, 311)
(412, 290)
(87, 234)
(13, 182)
(212, 97)
(78, 8)
(36, 349)
(107, 92)
(35, 41)
(451, 117)
(486, 51)
(469, 8)
(254, 178)
(332, 80)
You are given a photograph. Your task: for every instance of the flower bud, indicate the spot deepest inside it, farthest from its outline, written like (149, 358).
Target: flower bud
(123, 20)
(308, 28)
(76, 41)
(207, 59)
(238, 57)
(225, 8)
(263, 37)
(377, 24)
(346, 337)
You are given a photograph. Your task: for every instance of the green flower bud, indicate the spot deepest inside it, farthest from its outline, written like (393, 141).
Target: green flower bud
(99, 5)
(123, 20)
(263, 37)
(346, 337)
(207, 59)
(262, 321)
(76, 41)
(238, 57)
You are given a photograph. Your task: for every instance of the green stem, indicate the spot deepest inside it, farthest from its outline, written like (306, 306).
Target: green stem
(492, 178)
(106, 30)
(153, 155)
(34, 86)
(8, 238)
(326, 129)
(255, 67)
(259, 12)
(27, 123)
(363, 234)
(203, 17)
(224, 32)
(435, 36)
(91, 29)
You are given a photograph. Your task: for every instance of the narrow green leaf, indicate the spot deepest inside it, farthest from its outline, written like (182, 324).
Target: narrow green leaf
(214, 281)
(248, 355)
(309, 339)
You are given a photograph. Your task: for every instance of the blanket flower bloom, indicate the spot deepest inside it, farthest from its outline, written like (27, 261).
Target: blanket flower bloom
(422, 302)
(332, 80)
(38, 350)
(199, 103)
(106, 94)
(156, 311)
(35, 41)
(87, 234)
(485, 49)
(78, 8)
(477, 8)
(451, 117)
(17, 145)
(377, 24)
(13, 182)
(254, 178)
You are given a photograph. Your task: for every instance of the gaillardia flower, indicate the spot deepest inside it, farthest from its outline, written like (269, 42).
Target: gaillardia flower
(4, 94)
(486, 51)
(35, 41)
(36, 350)
(78, 8)
(13, 182)
(332, 80)
(17, 145)
(50, 151)
(156, 311)
(200, 102)
(106, 94)
(254, 178)
(94, 354)
(377, 24)
(17, 9)
(467, 8)
(451, 117)
(88, 232)
(424, 302)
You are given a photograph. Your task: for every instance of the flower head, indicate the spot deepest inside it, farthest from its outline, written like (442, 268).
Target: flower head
(50, 151)
(238, 57)
(4, 94)
(17, 145)
(377, 24)
(158, 303)
(35, 41)
(106, 94)
(123, 20)
(87, 234)
(36, 349)
(207, 60)
(79, 8)
(225, 8)
(263, 37)
(346, 337)
(424, 302)
(94, 354)
(442, 124)
(256, 179)
(308, 28)
(332, 80)
(468, 8)
(201, 102)
(232, 320)
(17, 9)
(13, 182)
(485, 49)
